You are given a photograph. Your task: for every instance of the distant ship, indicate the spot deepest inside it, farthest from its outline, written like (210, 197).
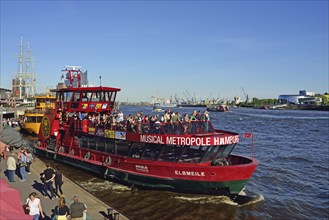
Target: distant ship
(218, 108)
(164, 105)
(191, 105)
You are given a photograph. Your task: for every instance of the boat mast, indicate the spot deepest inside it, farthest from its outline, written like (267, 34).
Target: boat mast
(20, 57)
(26, 77)
(29, 73)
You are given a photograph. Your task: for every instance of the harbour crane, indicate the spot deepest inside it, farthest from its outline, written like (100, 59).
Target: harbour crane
(189, 95)
(187, 99)
(245, 95)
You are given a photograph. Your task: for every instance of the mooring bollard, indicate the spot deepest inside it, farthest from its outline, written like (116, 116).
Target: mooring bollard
(116, 216)
(109, 213)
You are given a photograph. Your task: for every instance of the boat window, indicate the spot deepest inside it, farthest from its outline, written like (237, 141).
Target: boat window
(96, 97)
(92, 143)
(211, 153)
(122, 147)
(67, 96)
(59, 96)
(108, 96)
(76, 97)
(31, 119)
(83, 142)
(100, 144)
(193, 154)
(152, 151)
(171, 153)
(86, 96)
(110, 146)
(39, 119)
(227, 150)
(136, 150)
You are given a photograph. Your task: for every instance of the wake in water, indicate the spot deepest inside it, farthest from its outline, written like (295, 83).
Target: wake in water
(207, 199)
(104, 185)
(257, 199)
(241, 200)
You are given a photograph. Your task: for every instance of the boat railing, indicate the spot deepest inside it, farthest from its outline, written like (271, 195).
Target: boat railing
(177, 128)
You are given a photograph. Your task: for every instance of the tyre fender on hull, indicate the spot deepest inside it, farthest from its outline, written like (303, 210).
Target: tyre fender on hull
(60, 149)
(108, 160)
(71, 152)
(87, 156)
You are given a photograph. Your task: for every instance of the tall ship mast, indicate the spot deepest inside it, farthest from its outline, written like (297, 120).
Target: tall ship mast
(24, 81)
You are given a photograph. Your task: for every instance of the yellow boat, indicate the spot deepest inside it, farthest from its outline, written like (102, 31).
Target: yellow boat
(33, 118)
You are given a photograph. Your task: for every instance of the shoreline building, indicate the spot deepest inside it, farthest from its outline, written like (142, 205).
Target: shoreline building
(303, 98)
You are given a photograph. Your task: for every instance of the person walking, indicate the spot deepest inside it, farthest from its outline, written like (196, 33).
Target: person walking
(29, 159)
(62, 211)
(58, 181)
(34, 205)
(22, 164)
(77, 209)
(11, 167)
(49, 176)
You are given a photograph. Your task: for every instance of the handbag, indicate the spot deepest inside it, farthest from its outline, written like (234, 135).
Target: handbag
(21, 164)
(26, 210)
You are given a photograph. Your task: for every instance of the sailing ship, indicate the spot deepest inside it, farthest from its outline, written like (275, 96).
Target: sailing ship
(189, 157)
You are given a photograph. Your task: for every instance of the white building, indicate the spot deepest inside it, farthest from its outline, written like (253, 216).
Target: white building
(303, 97)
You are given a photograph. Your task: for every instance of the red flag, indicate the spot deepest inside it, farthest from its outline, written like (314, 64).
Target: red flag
(247, 135)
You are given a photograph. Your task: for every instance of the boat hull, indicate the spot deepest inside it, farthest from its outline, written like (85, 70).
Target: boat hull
(31, 128)
(179, 185)
(227, 186)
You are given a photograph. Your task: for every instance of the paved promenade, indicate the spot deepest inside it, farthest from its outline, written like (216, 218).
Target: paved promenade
(96, 209)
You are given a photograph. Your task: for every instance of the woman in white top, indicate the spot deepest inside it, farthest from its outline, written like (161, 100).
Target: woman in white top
(34, 204)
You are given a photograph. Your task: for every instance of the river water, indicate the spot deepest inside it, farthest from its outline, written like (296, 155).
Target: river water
(291, 182)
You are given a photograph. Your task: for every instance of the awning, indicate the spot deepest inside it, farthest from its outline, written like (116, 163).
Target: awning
(10, 203)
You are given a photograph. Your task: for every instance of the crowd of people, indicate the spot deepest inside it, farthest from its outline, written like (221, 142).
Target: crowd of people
(12, 122)
(138, 122)
(52, 181)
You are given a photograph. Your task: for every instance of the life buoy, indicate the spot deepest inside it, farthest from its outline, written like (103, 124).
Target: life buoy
(108, 160)
(71, 152)
(87, 156)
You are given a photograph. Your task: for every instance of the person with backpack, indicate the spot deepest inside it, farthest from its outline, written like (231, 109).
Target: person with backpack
(29, 159)
(22, 164)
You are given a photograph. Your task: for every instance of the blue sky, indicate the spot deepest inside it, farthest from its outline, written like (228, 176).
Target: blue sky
(210, 48)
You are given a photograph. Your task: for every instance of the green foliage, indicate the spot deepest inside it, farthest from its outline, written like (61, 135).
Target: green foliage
(259, 102)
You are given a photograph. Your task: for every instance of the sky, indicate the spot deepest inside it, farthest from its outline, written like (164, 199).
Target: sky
(209, 49)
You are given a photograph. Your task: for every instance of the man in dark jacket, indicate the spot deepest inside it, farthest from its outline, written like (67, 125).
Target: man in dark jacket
(49, 176)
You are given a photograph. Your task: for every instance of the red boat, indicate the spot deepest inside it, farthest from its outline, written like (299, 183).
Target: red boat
(187, 157)
(219, 108)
